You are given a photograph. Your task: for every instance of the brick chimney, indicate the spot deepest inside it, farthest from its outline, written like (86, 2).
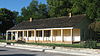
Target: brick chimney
(30, 20)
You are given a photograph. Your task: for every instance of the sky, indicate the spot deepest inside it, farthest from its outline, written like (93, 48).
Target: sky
(16, 5)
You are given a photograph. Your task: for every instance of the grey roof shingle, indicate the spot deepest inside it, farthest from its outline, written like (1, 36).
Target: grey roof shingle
(59, 22)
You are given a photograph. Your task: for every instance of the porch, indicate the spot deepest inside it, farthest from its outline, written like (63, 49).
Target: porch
(54, 35)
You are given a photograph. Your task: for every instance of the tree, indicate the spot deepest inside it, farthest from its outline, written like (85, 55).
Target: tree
(93, 13)
(93, 9)
(58, 8)
(7, 18)
(43, 13)
(19, 19)
(34, 10)
(78, 7)
(25, 13)
(89, 7)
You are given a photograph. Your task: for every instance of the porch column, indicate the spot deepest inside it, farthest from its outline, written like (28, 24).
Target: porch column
(23, 35)
(6, 35)
(35, 34)
(72, 35)
(11, 35)
(52, 35)
(32, 35)
(27, 36)
(43, 34)
(16, 35)
(62, 35)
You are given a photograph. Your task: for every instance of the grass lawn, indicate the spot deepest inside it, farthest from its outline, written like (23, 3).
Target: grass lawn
(58, 45)
(49, 44)
(53, 44)
(2, 40)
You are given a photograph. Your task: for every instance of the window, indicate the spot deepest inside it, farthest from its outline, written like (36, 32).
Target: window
(25, 33)
(67, 32)
(32, 33)
(47, 33)
(76, 32)
(57, 32)
(29, 33)
(20, 34)
(39, 33)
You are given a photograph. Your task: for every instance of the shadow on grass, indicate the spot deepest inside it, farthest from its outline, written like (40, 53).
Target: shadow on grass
(19, 55)
(3, 50)
(98, 47)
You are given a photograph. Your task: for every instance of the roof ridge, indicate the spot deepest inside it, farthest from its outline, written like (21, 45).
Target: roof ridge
(59, 17)
(56, 17)
(50, 18)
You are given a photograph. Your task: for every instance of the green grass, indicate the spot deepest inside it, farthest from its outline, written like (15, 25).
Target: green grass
(53, 44)
(58, 45)
(2, 40)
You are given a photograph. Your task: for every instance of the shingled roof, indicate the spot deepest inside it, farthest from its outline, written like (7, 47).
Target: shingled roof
(59, 22)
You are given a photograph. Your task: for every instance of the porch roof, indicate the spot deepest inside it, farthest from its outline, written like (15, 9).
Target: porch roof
(58, 22)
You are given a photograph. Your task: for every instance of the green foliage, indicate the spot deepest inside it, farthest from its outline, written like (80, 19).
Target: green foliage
(20, 41)
(34, 10)
(57, 45)
(87, 44)
(19, 19)
(89, 7)
(92, 9)
(78, 7)
(95, 26)
(2, 40)
(90, 44)
(7, 18)
(42, 11)
(58, 8)
(98, 44)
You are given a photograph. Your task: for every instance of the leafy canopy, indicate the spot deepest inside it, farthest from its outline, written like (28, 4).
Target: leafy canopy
(7, 19)
(34, 10)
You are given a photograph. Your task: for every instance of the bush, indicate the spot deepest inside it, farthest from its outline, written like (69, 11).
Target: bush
(90, 44)
(20, 41)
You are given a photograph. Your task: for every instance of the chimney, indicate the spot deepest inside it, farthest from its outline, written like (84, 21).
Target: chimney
(70, 15)
(30, 19)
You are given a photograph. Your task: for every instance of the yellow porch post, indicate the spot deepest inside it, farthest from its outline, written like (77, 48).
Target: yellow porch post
(35, 34)
(43, 34)
(62, 35)
(27, 36)
(52, 35)
(72, 35)
(6, 35)
(23, 35)
(17, 35)
(11, 35)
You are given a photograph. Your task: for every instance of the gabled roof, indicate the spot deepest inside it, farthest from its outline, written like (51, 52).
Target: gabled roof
(59, 22)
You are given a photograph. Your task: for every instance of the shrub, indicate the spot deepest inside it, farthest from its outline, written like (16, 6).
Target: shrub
(90, 44)
(20, 41)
